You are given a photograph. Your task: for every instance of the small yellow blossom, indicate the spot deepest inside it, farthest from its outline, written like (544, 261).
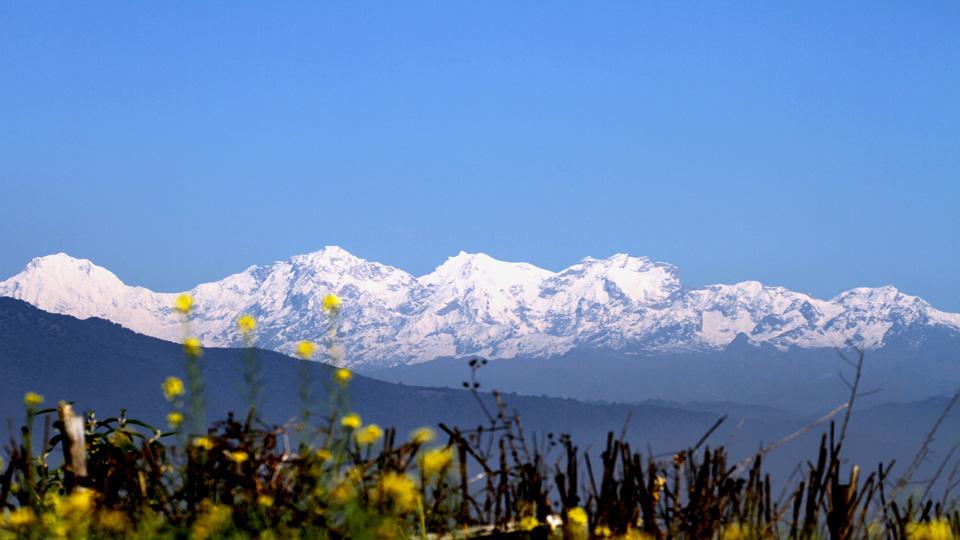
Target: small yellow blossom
(203, 442)
(331, 303)
(397, 488)
(21, 517)
(602, 531)
(323, 454)
(305, 349)
(79, 502)
(422, 436)
(434, 462)
(368, 435)
(192, 347)
(351, 421)
(184, 303)
(577, 516)
(736, 531)
(32, 399)
(246, 324)
(342, 376)
(932, 530)
(343, 493)
(237, 457)
(265, 501)
(172, 388)
(528, 523)
(174, 419)
(213, 519)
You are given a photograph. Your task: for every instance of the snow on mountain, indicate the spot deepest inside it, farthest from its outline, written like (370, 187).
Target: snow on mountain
(475, 304)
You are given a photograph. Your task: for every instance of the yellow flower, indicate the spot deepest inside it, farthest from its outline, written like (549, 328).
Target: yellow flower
(32, 399)
(343, 493)
(265, 501)
(577, 516)
(184, 303)
(237, 457)
(736, 531)
(342, 376)
(192, 347)
(21, 517)
(528, 523)
(602, 531)
(246, 324)
(174, 419)
(933, 530)
(368, 435)
(331, 303)
(434, 462)
(323, 454)
(78, 502)
(203, 442)
(351, 421)
(172, 388)
(305, 349)
(422, 436)
(213, 519)
(399, 489)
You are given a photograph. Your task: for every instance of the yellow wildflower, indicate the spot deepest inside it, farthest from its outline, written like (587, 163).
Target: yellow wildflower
(174, 419)
(397, 488)
(343, 493)
(172, 388)
(184, 303)
(368, 435)
(192, 347)
(331, 303)
(203, 442)
(78, 502)
(602, 531)
(577, 516)
(351, 421)
(528, 523)
(32, 399)
(237, 457)
(422, 436)
(265, 501)
(323, 454)
(434, 462)
(342, 376)
(736, 531)
(246, 324)
(354, 474)
(213, 519)
(305, 349)
(21, 517)
(932, 530)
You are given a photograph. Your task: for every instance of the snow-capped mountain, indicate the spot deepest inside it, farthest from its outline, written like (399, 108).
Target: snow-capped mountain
(474, 304)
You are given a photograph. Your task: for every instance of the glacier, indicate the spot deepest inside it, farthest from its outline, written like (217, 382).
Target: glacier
(473, 304)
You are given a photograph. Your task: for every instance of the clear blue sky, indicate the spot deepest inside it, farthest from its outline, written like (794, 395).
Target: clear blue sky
(814, 145)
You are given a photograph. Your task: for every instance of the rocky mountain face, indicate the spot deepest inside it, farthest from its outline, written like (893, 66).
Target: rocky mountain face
(473, 304)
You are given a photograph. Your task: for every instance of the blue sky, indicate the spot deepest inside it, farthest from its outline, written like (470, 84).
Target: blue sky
(814, 145)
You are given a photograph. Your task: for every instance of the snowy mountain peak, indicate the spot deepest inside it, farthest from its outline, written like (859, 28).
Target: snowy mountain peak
(475, 304)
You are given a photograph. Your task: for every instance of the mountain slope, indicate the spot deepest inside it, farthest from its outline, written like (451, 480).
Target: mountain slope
(473, 304)
(104, 367)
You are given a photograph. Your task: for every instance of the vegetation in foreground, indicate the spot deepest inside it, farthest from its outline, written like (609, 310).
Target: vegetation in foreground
(330, 475)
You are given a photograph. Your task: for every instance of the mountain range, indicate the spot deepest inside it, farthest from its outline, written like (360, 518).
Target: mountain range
(473, 304)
